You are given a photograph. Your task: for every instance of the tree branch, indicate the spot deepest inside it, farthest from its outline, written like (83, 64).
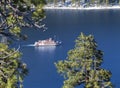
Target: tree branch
(12, 53)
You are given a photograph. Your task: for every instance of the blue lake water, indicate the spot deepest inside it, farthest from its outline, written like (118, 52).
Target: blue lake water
(66, 25)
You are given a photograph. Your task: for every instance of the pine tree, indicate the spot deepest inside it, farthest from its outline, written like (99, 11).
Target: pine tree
(12, 69)
(82, 65)
(14, 15)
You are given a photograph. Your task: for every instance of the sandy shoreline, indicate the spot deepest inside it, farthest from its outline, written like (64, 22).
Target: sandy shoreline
(81, 8)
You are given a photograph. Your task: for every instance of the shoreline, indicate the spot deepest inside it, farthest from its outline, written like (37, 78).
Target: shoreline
(81, 8)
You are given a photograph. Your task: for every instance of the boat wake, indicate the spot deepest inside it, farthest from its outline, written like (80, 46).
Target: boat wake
(30, 45)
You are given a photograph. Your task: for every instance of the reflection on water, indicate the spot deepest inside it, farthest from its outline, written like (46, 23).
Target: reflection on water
(45, 49)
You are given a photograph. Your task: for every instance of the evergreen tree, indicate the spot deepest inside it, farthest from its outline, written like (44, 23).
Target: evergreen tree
(83, 65)
(73, 2)
(63, 2)
(14, 15)
(12, 69)
(55, 3)
(107, 2)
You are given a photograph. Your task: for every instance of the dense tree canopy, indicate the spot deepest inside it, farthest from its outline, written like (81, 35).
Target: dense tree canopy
(14, 15)
(82, 65)
(12, 69)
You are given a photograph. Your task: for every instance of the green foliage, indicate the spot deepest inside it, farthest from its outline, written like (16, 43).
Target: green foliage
(83, 65)
(15, 31)
(38, 13)
(12, 70)
(55, 2)
(14, 15)
(37, 2)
